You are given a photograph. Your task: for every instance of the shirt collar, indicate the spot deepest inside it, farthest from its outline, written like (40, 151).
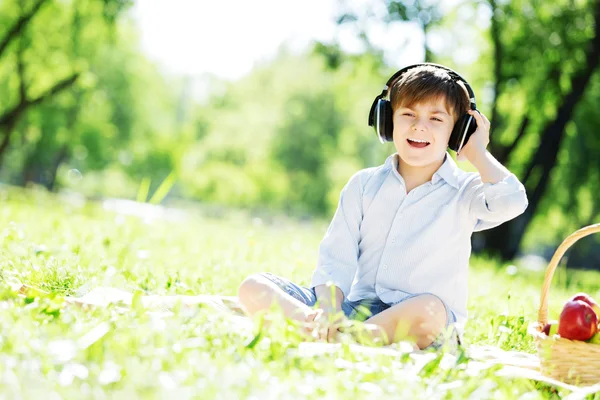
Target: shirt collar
(448, 171)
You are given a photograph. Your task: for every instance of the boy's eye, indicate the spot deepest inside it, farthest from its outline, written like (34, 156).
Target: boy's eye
(436, 119)
(408, 114)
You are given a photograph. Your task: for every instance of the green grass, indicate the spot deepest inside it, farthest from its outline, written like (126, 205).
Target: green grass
(68, 247)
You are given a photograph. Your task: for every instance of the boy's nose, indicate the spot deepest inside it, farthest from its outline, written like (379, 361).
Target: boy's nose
(418, 125)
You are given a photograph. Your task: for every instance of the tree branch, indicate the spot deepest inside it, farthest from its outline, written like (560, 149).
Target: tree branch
(9, 119)
(16, 111)
(21, 73)
(16, 29)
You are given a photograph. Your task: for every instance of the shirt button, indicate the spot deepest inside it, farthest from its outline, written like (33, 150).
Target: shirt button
(401, 214)
(385, 266)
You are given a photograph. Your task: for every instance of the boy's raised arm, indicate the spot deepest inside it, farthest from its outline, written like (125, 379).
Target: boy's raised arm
(493, 203)
(490, 169)
(498, 196)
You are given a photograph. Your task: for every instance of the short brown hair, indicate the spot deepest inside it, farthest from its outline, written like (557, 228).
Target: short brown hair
(426, 82)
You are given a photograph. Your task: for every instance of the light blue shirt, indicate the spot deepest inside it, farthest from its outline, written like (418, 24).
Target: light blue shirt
(383, 242)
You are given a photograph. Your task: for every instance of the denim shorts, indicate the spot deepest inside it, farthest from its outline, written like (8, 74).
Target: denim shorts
(361, 310)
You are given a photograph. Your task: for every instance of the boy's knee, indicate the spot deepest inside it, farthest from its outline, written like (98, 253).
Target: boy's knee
(434, 315)
(252, 285)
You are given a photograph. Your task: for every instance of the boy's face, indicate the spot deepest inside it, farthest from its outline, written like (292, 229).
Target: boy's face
(422, 132)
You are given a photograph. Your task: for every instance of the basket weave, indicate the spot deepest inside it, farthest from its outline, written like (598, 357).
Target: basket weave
(570, 361)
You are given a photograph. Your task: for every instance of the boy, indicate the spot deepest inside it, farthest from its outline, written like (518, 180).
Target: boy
(396, 253)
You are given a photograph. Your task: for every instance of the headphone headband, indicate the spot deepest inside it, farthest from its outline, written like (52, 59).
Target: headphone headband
(453, 74)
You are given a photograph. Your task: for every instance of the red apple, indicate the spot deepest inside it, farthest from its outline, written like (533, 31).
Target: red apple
(550, 328)
(588, 299)
(578, 321)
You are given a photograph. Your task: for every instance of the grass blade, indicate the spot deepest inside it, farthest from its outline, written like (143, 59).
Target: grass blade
(164, 189)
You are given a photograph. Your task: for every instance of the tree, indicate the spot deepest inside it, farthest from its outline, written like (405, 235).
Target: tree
(57, 33)
(568, 58)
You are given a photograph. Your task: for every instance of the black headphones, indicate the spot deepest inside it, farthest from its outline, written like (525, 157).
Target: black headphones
(380, 116)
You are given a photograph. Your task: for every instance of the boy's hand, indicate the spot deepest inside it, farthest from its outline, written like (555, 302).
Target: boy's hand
(477, 143)
(326, 322)
(330, 314)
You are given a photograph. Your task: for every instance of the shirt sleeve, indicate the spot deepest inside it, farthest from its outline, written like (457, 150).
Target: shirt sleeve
(495, 203)
(338, 252)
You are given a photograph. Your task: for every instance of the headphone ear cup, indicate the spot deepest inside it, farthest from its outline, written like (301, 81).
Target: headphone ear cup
(465, 126)
(383, 121)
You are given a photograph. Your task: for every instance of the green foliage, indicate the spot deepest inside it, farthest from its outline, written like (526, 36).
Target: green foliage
(289, 134)
(543, 50)
(294, 154)
(303, 146)
(114, 116)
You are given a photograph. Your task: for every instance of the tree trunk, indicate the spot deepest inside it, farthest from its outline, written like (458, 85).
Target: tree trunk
(495, 119)
(505, 240)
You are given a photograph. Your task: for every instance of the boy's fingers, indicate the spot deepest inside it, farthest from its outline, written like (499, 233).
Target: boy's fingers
(481, 119)
(487, 121)
(309, 326)
(330, 335)
(477, 117)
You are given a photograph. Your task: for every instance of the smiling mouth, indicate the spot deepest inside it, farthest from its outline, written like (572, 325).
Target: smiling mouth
(419, 144)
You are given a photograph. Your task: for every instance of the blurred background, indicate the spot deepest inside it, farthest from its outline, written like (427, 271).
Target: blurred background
(263, 105)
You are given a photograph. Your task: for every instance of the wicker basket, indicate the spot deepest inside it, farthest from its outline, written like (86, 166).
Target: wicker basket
(570, 361)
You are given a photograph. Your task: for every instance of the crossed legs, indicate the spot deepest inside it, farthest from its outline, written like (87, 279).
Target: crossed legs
(421, 318)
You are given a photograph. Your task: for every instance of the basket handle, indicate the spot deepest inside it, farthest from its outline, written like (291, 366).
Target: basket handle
(560, 251)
